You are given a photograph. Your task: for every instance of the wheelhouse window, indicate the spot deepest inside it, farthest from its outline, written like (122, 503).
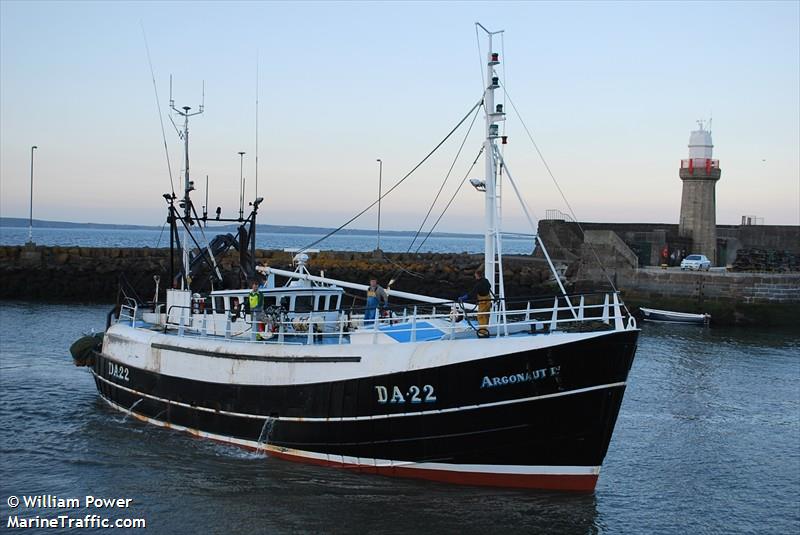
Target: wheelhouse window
(333, 302)
(304, 303)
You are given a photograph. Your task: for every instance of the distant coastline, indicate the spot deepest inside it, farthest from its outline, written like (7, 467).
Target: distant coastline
(18, 222)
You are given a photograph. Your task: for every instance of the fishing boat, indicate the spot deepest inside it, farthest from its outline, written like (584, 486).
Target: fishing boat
(669, 316)
(412, 393)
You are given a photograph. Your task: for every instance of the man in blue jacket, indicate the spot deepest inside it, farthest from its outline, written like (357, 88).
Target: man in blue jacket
(374, 296)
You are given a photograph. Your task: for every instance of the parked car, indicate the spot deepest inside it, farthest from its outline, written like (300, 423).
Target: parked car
(696, 262)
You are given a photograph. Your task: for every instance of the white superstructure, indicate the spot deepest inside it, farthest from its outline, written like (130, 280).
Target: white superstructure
(700, 144)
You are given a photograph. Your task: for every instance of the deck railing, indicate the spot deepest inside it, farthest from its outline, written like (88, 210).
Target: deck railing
(128, 310)
(586, 312)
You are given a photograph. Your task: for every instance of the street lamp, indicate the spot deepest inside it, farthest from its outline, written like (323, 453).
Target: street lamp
(30, 214)
(380, 176)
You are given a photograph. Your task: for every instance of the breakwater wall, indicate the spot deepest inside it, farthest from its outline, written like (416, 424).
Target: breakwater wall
(627, 251)
(564, 239)
(730, 298)
(92, 274)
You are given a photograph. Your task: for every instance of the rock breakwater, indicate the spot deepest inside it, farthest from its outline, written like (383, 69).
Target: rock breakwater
(92, 274)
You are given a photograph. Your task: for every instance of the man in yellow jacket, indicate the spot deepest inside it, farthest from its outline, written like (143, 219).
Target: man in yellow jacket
(482, 291)
(255, 305)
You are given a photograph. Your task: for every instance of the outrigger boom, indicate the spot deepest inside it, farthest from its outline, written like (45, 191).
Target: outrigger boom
(354, 286)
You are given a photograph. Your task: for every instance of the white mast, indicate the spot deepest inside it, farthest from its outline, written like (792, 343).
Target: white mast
(188, 184)
(493, 268)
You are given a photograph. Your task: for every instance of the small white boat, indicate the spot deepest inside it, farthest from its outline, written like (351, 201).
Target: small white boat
(652, 314)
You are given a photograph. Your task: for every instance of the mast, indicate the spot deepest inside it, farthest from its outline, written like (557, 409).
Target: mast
(492, 262)
(188, 183)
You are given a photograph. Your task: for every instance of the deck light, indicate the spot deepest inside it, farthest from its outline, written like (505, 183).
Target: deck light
(478, 184)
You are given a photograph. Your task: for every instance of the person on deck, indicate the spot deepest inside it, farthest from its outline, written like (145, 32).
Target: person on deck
(374, 296)
(482, 291)
(255, 302)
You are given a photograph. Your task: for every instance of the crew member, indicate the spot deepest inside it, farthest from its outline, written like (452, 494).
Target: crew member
(483, 292)
(255, 302)
(374, 296)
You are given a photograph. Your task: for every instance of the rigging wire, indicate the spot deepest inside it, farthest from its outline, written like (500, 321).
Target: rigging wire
(505, 79)
(256, 123)
(561, 192)
(400, 268)
(541, 156)
(161, 234)
(158, 105)
(446, 179)
(480, 59)
(213, 263)
(365, 210)
(451, 199)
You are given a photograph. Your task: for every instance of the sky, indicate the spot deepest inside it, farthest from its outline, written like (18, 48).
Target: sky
(608, 90)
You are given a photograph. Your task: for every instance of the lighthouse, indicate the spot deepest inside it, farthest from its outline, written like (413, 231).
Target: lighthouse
(699, 174)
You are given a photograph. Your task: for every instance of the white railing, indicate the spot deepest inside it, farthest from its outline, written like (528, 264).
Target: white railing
(128, 311)
(408, 323)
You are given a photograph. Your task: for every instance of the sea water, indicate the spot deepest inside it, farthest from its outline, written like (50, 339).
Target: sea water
(707, 441)
(83, 237)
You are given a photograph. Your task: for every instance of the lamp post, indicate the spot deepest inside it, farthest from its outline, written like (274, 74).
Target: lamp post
(241, 186)
(380, 176)
(30, 214)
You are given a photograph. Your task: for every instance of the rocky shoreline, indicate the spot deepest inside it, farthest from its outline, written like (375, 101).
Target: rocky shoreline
(92, 274)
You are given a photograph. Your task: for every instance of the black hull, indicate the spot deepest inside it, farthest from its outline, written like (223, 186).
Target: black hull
(540, 418)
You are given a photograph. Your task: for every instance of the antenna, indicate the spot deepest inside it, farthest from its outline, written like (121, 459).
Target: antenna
(256, 123)
(186, 202)
(158, 107)
(203, 101)
(241, 185)
(205, 206)
(188, 184)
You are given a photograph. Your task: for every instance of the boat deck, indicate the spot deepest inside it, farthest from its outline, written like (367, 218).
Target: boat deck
(397, 329)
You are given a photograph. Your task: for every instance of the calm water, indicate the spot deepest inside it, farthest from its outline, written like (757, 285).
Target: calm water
(155, 238)
(708, 441)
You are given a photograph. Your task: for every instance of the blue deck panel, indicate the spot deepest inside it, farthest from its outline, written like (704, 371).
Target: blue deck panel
(401, 332)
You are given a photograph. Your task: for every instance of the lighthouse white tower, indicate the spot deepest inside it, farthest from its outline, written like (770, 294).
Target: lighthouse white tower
(699, 174)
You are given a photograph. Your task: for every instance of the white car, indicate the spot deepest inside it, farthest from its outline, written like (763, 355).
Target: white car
(696, 262)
